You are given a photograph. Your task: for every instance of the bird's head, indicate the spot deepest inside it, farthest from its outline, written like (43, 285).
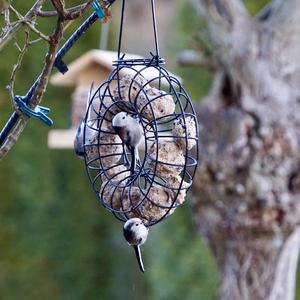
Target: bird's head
(120, 120)
(135, 232)
(124, 119)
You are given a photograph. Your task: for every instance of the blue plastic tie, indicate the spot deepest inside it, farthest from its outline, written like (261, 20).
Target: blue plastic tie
(39, 112)
(98, 9)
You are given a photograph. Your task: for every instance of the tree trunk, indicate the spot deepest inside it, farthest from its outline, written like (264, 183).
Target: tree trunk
(259, 267)
(246, 189)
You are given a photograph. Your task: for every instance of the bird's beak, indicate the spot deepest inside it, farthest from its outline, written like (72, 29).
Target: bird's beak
(138, 255)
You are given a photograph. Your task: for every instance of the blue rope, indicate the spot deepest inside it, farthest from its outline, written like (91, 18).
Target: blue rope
(41, 112)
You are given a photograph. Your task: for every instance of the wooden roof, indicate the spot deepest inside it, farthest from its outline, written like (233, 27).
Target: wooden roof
(104, 59)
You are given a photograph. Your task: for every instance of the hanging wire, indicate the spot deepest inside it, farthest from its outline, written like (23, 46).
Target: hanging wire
(155, 58)
(155, 27)
(121, 29)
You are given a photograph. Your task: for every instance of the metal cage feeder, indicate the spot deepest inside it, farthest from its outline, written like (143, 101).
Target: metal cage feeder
(168, 149)
(145, 91)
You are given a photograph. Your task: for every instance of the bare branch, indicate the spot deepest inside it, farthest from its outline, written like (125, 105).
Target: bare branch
(76, 12)
(13, 137)
(69, 13)
(54, 40)
(9, 34)
(53, 13)
(39, 33)
(6, 17)
(29, 24)
(59, 6)
(46, 14)
(18, 65)
(49, 61)
(41, 88)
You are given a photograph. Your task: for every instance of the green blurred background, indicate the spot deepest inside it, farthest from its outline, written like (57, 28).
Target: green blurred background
(56, 241)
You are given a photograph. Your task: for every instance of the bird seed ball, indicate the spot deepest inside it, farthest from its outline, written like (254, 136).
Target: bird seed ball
(181, 131)
(153, 207)
(162, 105)
(117, 173)
(110, 144)
(172, 186)
(120, 198)
(111, 194)
(92, 151)
(157, 204)
(170, 159)
(129, 87)
(109, 108)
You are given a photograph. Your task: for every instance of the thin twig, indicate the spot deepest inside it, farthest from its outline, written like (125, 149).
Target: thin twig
(18, 65)
(39, 33)
(55, 39)
(75, 11)
(7, 23)
(6, 17)
(14, 29)
(29, 24)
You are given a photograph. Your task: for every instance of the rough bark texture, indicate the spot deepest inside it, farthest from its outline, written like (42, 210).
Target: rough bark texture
(248, 182)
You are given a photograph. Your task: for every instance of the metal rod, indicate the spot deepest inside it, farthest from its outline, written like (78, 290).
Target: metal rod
(75, 36)
(155, 27)
(121, 29)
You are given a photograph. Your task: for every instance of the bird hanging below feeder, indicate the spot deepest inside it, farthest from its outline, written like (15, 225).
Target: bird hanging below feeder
(136, 233)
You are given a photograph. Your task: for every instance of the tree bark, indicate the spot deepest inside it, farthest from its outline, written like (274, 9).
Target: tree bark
(246, 189)
(259, 268)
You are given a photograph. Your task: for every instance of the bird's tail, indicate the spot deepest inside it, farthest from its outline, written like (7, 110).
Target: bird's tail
(134, 159)
(138, 255)
(126, 161)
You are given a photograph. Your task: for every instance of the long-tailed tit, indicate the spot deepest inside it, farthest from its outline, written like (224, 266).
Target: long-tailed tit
(135, 233)
(90, 129)
(131, 133)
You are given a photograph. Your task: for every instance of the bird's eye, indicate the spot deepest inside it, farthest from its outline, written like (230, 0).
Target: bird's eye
(136, 224)
(123, 118)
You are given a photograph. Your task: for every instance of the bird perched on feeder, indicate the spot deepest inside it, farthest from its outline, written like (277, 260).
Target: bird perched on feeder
(131, 133)
(89, 132)
(135, 233)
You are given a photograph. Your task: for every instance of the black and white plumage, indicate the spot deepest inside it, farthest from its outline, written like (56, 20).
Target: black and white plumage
(136, 233)
(131, 133)
(89, 131)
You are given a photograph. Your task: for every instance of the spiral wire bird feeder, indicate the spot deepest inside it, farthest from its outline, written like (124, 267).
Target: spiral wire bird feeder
(168, 150)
